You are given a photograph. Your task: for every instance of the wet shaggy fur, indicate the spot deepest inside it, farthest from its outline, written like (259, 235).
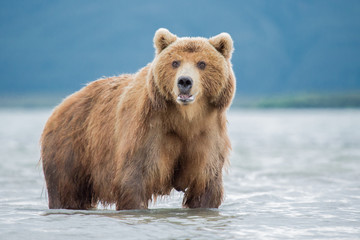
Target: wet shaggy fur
(126, 140)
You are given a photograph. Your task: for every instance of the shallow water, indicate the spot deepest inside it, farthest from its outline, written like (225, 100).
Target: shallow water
(293, 174)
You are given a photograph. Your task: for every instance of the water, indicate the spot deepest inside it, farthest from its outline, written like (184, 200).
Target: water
(293, 174)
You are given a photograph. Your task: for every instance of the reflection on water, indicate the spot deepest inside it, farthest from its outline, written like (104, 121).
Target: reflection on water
(293, 174)
(170, 216)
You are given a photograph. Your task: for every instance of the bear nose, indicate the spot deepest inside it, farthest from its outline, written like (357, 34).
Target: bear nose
(184, 84)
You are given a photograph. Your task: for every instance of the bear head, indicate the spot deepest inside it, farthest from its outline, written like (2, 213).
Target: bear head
(190, 70)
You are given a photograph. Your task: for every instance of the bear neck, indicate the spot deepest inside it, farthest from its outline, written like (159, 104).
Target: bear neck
(187, 121)
(193, 112)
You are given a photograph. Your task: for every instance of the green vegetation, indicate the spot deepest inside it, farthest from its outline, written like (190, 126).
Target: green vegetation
(30, 100)
(330, 100)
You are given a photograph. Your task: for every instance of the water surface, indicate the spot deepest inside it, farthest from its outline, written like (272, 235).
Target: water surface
(293, 174)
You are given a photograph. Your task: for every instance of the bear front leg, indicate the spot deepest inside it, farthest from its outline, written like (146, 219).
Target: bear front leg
(211, 197)
(131, 198)
(132, 188)
(133, 194)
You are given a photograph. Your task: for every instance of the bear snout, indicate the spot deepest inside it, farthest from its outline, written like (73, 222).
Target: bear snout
(185, 84)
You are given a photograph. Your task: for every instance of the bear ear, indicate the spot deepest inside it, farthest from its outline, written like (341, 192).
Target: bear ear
(223, 44)
(162, 39)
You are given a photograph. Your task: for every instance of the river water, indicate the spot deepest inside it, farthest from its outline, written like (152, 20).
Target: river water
(293, 174)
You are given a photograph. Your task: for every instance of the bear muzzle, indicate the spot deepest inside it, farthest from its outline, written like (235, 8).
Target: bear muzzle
(185, 84)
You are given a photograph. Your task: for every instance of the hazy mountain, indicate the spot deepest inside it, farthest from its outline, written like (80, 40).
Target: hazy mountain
(281, 46)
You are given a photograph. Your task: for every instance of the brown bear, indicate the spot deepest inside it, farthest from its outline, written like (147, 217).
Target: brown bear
(125, 140)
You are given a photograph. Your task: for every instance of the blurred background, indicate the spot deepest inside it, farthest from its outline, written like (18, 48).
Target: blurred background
(287, 53)
(294, 172)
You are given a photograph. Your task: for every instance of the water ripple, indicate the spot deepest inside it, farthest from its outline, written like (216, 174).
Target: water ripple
(293, 174)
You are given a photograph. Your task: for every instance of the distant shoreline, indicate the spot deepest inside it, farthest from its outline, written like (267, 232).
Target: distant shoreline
(305, 100)
(308, 100)
(31, 100)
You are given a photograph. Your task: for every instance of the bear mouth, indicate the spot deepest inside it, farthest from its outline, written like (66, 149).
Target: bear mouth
(185, 98)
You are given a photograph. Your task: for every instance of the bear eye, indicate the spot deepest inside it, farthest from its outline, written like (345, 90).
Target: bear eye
(175, 64)
(201, 65)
